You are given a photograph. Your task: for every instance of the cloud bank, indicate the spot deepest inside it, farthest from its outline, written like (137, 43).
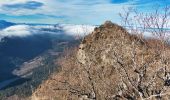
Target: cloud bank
(17, 30)
(75, 30)
(27, 30)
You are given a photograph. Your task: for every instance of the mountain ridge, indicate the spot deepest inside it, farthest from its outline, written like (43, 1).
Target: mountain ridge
(104, 67)
(5, 24)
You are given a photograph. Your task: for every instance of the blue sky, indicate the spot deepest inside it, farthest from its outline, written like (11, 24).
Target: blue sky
(71, 11)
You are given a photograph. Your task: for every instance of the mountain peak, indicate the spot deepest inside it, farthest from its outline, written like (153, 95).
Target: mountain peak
(3, 21)
(108, 23)
(105, 63)
(5, 24)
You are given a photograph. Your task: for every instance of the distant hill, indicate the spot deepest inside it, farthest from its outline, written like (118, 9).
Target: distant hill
(5, 24)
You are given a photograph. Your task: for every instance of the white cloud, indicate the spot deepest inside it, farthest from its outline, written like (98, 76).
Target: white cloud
(75, 30)
(27, 30)
(17, 30)
(76, 11)
(2, 2)
(79, 11)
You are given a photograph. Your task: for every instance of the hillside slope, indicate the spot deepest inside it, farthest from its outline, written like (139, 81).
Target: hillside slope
(111, 64)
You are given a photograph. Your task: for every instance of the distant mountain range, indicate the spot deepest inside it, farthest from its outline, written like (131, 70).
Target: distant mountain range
(5, 24)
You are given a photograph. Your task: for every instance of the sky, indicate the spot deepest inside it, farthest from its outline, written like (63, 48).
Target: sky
(93, 12)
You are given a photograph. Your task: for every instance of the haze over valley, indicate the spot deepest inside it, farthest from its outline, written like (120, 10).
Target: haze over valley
(25, 47)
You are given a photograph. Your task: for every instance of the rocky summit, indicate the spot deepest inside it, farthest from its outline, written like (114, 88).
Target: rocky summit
(110, 64)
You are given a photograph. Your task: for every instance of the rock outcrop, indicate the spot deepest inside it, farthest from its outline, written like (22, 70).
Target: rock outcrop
(111, 64)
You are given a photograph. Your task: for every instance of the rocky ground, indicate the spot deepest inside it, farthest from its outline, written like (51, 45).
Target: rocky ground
(110, 64)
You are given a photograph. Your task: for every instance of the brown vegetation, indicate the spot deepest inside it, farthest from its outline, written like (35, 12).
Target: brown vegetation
(111, 64)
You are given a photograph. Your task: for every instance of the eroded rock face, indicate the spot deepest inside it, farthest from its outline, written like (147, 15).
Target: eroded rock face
(81, 54)
(98, 46)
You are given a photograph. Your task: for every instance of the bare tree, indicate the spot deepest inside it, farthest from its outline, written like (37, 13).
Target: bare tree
(147, 82)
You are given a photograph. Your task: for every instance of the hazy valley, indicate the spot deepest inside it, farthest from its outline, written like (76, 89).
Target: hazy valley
(27, 50)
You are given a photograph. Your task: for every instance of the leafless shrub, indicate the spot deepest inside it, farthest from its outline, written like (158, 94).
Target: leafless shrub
(149, 78)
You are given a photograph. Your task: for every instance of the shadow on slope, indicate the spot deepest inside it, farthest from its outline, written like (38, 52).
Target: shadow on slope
(16, 50)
